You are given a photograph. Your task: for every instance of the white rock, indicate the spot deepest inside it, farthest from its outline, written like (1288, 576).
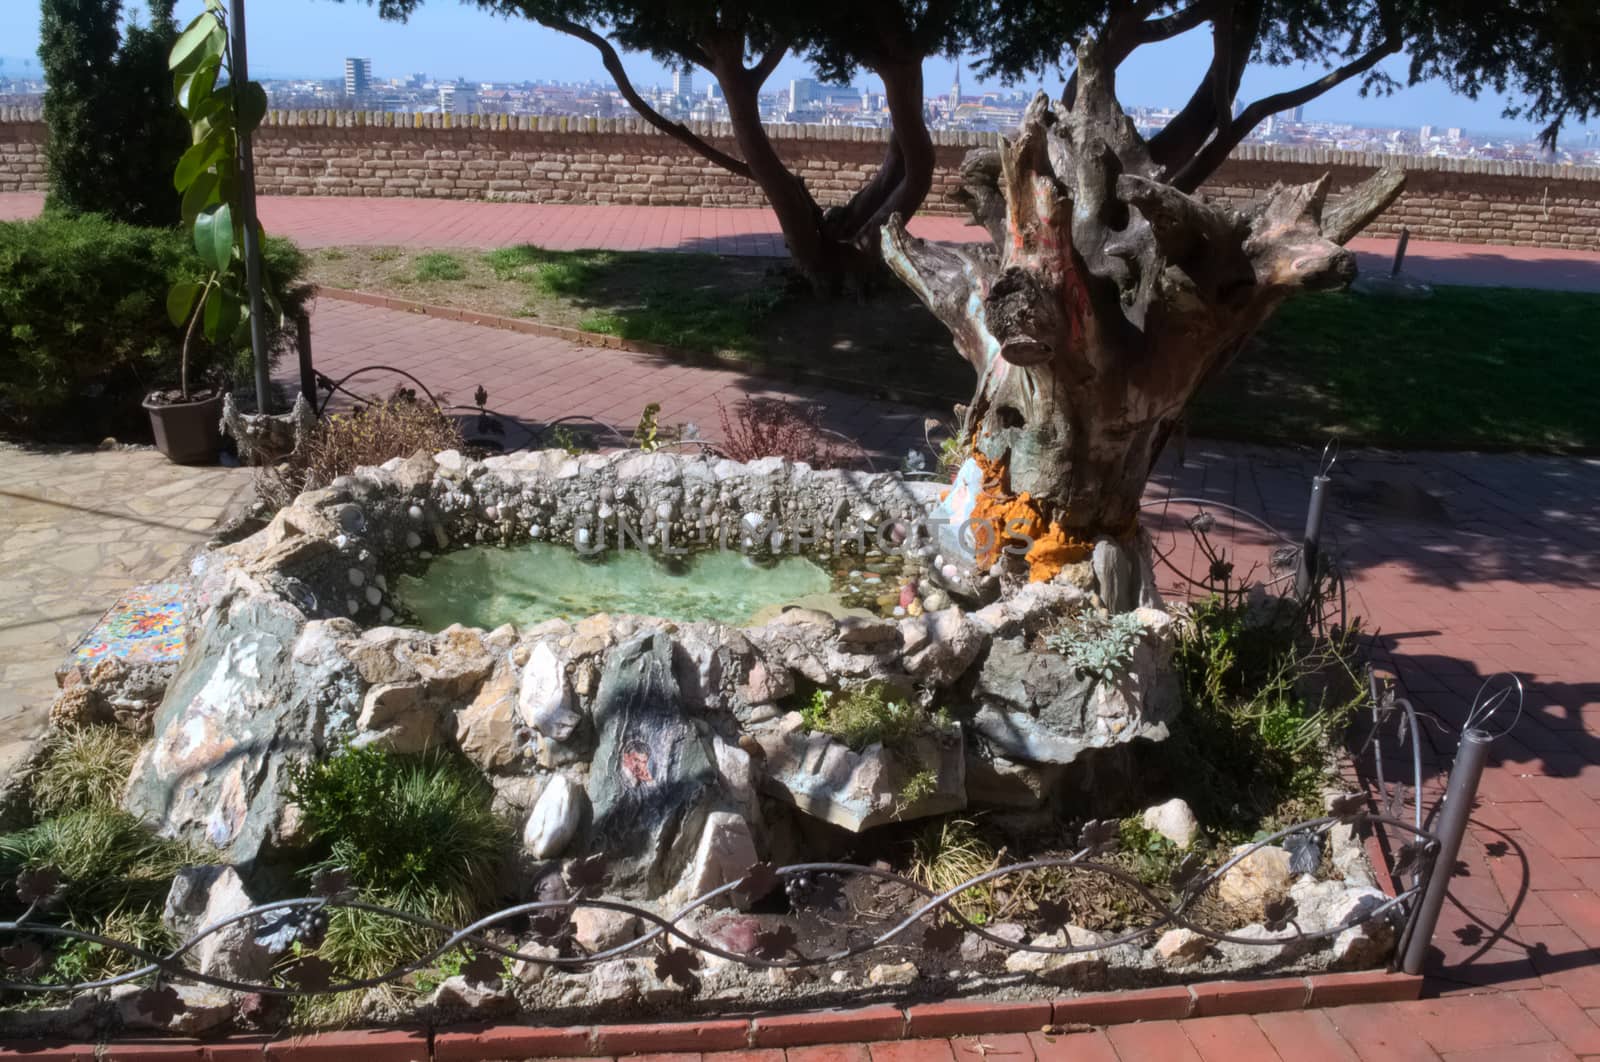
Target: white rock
(1256, 878)
(1174, 821)
(415, 512)
(554, 819)
(1182, 947)
(597, 929)
(544, 701)
(725, 852)
(205, 896)
(374, 595)
(1077, 969)
(458, 995)
(204, 1009)
(900, 973)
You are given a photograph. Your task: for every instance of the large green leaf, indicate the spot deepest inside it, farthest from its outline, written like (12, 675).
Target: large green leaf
(194, 42)
(199, 195)
(198, 159)
(195, 89)
(180, 301)
(213, 237)
(221, 316)
(252, 106)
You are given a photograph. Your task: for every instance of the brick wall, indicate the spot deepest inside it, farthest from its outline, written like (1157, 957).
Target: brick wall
(560, 160)
(21, 151)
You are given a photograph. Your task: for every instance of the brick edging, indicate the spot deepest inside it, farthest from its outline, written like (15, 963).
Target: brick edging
(481, 1043)
(696, 358)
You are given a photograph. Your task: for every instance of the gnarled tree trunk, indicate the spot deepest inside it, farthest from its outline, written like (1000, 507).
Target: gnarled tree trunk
(1108, 298)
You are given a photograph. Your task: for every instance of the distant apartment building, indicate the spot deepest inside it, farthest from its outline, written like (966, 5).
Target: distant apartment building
(458, 97)
(683, 83)
(357, 77)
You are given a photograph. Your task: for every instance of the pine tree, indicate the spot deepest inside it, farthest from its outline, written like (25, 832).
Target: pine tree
(115, 133)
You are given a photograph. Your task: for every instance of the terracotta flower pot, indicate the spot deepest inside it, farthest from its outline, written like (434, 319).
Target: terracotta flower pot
(188, 433)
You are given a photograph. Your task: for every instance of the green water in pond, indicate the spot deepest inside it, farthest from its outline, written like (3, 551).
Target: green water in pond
(485, 586)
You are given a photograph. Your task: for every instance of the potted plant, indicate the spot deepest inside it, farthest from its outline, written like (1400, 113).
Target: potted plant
(185, 421)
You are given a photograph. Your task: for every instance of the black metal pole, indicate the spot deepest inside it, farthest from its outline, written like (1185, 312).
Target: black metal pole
(1305, 576)
(252, 233)
(308, 371)
(1464, 776)
(1400, 251)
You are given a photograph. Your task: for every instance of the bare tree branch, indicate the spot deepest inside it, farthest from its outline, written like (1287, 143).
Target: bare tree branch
(769, 61)
(1203, 164)
(1361, 204)
(1179, 22)
(614, 67)
(1199, 119)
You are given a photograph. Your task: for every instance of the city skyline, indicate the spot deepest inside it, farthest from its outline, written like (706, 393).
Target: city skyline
(451, 42)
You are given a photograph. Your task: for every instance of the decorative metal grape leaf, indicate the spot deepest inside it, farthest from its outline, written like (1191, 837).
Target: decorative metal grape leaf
(678, 966)
(1054, 914)
(40, 886)
(1189, 872)
(824, 892)
(1305, 852)
(586, 874)
(160, 1004)
(310, 974)
(1220, 572)
(946, 936)
(1348, 807)
(1411, 857)
(776, 943)
(484, 970)
(1099, 836)
(22, 956)
(1278, 913)
(758, 881)
(330, 884)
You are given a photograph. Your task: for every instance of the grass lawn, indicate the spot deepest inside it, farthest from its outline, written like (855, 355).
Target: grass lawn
(1490, 368)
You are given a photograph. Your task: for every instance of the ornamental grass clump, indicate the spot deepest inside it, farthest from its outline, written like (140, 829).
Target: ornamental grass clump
(413, 833)
(83, 767)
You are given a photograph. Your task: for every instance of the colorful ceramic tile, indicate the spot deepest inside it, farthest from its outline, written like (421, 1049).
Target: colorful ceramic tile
(144, 627)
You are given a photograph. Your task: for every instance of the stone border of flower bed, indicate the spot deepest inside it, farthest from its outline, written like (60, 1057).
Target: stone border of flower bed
(963, 1017)
(697, 358)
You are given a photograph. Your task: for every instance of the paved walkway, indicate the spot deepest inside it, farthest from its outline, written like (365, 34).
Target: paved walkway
(534, 380)
(78, 527)
(330, 221)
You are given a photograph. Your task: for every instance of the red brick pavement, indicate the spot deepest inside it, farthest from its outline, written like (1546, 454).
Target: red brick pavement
(326, 221)
(535, 380)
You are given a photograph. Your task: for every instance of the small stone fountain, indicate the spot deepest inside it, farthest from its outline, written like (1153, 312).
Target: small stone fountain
(654, 740)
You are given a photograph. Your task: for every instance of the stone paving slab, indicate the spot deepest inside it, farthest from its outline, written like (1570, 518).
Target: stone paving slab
(314, 221)
(79, 528)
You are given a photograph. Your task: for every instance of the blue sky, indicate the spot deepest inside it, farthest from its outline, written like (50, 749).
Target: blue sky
(310, 38)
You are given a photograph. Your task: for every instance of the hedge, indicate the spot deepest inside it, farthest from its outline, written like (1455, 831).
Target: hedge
(84, 334)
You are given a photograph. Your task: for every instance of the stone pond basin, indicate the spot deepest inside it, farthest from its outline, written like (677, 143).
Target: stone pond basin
(675, 749)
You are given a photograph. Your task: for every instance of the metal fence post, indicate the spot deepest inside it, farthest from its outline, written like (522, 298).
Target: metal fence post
(1400, 251)
(1305, 576)
(308, 372)
(1457, 808)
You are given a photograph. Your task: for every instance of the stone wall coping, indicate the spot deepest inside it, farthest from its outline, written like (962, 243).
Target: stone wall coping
(502, 123)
